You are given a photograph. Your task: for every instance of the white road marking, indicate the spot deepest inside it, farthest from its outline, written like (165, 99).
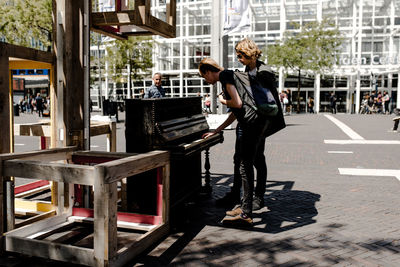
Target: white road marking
(363, 142)
(346, 129)
(370, 172)
(340, 152)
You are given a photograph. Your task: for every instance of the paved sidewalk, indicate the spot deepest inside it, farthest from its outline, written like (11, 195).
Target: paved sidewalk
(313, 216)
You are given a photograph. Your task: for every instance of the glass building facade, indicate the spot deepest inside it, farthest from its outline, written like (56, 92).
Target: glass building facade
(369, 58)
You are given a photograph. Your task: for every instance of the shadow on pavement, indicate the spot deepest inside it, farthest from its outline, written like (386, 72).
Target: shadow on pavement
(286, 209)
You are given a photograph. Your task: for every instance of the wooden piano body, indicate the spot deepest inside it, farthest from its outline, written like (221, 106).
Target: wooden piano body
(173, 124)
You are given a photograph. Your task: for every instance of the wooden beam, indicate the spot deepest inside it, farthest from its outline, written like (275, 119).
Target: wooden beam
(16, 63)
(66, 173)
(73, 73)
(112, 138)
(49, 250)
(103, 30)
(2, 208)
(105, 219)
(114, 18)
(166, 194)
(121, 168)
(40, 226)
(53, 154)
(99, 129)
(171, 13)
(16, 51)
(30, 186)
(5, 105)
(36, 218)
(160, 27)
(33, 205)
(32, 129)
(132, 250)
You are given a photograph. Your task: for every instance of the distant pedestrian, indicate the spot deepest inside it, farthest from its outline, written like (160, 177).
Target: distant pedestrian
(39, 104)
(333, 100)
(310, 104)
(385, 102)
(207, 103)
(31, 104)
(289, 102)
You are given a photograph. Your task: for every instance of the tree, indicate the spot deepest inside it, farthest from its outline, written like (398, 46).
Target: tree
(22, 22)
(314, 48)
(136, 52)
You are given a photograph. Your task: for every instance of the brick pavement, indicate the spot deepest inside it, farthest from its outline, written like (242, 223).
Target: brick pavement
(313, 215)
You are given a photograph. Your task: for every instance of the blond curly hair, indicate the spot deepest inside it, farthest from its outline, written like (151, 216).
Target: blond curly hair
(249, 48)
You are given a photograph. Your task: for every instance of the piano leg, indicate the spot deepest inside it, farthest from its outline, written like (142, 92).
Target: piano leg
(207, 189)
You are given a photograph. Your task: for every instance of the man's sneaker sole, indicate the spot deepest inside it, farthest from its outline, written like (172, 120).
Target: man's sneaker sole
(237, 221)
(235, 212)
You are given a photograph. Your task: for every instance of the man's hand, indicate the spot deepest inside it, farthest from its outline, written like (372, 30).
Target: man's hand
(206, 135)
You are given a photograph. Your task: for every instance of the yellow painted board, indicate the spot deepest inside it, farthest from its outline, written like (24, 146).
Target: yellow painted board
(33, 205)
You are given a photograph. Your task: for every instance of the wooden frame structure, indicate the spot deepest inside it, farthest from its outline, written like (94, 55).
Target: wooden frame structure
(108, 247)
(34, 210)
(123, 22)
(69, 89)
(43, 129)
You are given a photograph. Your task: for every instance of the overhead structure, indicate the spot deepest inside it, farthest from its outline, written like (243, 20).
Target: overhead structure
(124, 22)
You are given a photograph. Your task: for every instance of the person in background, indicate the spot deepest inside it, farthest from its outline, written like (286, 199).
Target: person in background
(31, 103)
(289, 102)
(207, 103)
(310, 104)
(332, 100)
(155, 90)
(385, 102)
(39, 104)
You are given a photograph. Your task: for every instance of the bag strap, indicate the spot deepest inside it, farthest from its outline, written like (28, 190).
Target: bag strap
(238, 74)
(244, 85)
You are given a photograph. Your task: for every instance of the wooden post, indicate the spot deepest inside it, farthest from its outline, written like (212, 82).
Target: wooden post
(105, 218)
(2, 205)
(112, 138)
(5, 105)
(4, 133)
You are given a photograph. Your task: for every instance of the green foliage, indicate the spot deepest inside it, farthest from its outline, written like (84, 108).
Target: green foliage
(136, 52)
(22, 21)
(314, 48)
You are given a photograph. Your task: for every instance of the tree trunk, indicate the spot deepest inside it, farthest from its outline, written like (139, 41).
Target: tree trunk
(298, 91)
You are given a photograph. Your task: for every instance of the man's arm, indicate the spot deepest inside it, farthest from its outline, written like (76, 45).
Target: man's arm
(231, 118)
(235, 101)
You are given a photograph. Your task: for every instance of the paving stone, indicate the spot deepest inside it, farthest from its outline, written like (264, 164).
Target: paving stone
(315, 216)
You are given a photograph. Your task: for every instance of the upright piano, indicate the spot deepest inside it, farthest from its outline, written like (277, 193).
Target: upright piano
(176, 125)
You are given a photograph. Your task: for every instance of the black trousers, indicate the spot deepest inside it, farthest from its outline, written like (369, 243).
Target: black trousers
(259, 163)
(249, 146)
